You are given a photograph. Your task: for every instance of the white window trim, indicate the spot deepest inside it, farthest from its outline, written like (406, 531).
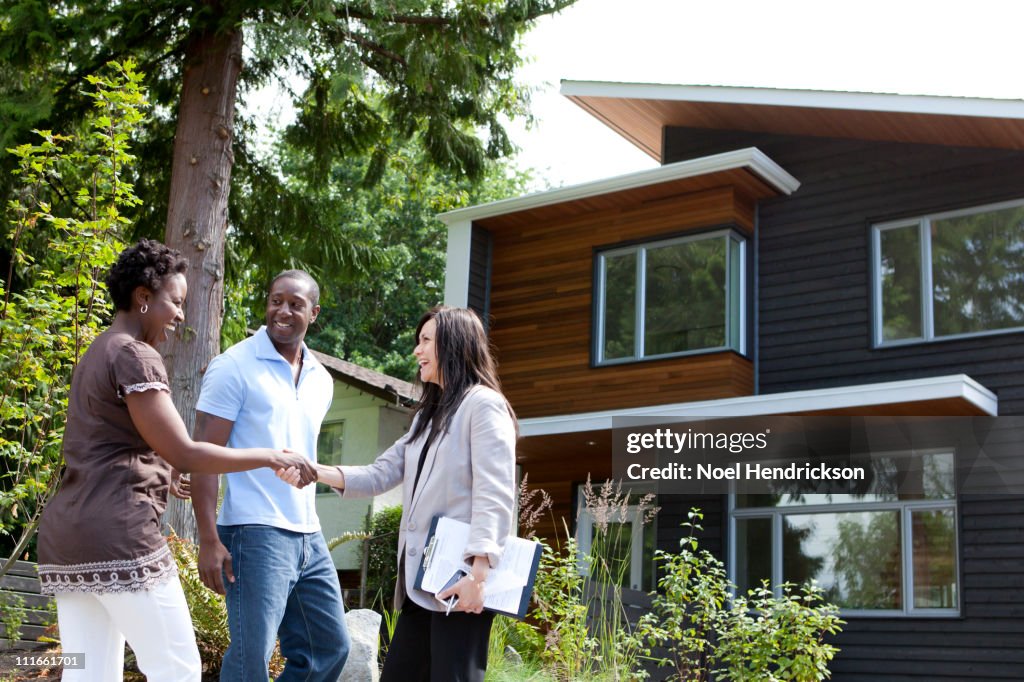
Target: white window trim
(640, 250)
(927, 308)
(905, 507)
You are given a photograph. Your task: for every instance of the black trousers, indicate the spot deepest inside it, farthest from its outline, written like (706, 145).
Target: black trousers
(429, 646)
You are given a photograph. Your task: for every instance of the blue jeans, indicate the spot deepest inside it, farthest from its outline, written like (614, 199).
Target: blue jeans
(285, 588)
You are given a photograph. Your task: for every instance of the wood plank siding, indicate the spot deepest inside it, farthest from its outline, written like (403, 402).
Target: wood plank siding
(814, 331)
(542, 281)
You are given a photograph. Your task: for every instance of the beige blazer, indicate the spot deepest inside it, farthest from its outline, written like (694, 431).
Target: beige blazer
(469, 475)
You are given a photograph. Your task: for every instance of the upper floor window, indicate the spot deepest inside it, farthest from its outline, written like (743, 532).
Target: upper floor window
(949, 274)
(670, 297)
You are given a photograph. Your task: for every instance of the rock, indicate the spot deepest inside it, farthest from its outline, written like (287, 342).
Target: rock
(363, 629)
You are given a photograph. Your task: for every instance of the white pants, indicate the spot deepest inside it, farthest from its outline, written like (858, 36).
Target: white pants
(156, 623)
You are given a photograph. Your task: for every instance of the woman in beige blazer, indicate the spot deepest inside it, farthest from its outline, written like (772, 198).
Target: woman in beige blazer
(457, 460)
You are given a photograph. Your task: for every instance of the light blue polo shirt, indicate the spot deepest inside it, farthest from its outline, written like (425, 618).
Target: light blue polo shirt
(251, 385)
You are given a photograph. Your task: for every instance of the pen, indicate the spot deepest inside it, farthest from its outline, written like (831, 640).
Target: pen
(452, 600)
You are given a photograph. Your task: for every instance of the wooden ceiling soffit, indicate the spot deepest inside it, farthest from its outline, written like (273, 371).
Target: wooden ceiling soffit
(641, 121)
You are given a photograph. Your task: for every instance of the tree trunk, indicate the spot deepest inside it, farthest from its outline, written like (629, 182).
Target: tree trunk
(197, 219)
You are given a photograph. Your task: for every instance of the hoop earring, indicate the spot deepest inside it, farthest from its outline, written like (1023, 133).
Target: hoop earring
(144, 309)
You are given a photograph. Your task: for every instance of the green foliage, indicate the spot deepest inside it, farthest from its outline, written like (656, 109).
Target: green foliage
(365, 78)
(382, 564)
(12, 615)
(693, 590)
(561, 611)
(579, 597)
(388, 233)
(764, 638)
(745, 638)
(62, 233)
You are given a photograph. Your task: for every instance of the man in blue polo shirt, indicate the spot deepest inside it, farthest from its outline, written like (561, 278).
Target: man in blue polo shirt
(265, 550)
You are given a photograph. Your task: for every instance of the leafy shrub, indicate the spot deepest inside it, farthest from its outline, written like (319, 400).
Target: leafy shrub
(756, 637)
(382, 564)
(12, 615)
(62, 232)
(768, 638)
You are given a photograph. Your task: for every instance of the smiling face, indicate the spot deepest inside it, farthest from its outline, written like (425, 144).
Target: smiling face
(290, 311)
(426, 354)
(164, 312)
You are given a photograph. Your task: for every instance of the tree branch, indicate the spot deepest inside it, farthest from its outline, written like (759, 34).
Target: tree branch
(365, 13)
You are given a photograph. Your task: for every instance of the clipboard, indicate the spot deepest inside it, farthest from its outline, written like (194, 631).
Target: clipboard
(509, 584)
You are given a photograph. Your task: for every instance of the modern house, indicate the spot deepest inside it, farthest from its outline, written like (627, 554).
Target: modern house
(796, 253)
(370, 411)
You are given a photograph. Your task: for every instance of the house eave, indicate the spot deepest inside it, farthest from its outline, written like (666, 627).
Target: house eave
(958, 387)
(641, 111)
(751, 159)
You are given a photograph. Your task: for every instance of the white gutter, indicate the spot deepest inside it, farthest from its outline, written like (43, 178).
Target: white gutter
(751, 158)
(892, 392)
(816, 99)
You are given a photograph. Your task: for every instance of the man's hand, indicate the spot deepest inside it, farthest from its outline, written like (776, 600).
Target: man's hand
(181, 485)
(215, 565)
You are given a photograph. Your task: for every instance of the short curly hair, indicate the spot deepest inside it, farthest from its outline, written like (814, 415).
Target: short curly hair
(148, 263)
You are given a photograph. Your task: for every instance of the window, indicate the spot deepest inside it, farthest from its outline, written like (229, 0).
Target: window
(328, 448)
(670, 297)
(880, 552)
(949, 274)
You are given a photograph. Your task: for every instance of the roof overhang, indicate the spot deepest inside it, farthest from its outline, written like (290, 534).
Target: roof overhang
(369, 381)
(676, 177)
(954, 395)
(640, 111)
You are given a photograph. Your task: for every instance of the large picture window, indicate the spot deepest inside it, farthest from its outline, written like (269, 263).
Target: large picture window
(670, 297)
(880, 552)
(949, 274)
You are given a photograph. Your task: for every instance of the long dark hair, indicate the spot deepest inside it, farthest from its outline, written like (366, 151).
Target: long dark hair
(464, 359)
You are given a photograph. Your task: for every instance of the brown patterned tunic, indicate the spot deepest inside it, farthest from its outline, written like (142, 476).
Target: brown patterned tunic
(101, 532)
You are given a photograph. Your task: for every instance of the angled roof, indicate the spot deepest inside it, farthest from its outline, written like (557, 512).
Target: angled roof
(378, 384)
(639, 112)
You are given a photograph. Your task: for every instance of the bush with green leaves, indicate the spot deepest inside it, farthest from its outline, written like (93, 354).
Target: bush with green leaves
(579, 597)
(561, 611)
(708, 632)
(382, 562)
(12, 614)
(62, 232)
(765, 638)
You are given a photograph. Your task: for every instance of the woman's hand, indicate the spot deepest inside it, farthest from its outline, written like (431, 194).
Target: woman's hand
(470, 593)
(291, 476)
(303, 471)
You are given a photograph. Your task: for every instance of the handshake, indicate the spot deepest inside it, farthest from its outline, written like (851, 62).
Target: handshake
(293, 468)
(299, 476)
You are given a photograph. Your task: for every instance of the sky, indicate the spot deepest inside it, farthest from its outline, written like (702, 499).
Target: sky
(964, 48)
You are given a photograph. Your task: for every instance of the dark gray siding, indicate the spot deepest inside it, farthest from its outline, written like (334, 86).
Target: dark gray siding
(814, 331)
(814, 297)
(480, 273)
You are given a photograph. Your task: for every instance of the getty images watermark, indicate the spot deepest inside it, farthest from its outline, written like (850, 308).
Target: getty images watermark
(893, 457)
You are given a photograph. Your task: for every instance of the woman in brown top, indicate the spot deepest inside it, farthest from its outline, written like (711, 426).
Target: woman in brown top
(100, 547)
